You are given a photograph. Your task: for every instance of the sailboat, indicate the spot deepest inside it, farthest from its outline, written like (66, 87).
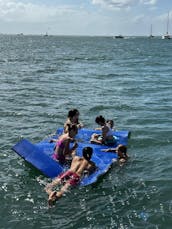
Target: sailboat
(151, 36)
(46, 35)
(167, 36)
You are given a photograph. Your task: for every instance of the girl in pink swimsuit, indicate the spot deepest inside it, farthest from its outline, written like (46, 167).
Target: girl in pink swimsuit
(62, 147)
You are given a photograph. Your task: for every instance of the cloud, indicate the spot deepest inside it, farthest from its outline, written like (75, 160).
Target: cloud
(119, 4)
(78, 19)
(148, 2)
(115, 4)
(16, 11)
(35, 18)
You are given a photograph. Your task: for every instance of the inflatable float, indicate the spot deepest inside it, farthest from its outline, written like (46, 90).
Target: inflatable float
(40, 154)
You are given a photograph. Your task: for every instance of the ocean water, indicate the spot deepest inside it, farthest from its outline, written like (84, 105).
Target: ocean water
(127, 80)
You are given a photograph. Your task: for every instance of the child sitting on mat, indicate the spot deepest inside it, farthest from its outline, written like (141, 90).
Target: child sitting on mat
(72, 118)
(106, 136)
(63, 152)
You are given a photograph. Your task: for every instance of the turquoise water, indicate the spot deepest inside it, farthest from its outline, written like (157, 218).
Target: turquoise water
(127, 80)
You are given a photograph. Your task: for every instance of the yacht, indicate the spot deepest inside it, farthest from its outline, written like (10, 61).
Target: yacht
(167, 36)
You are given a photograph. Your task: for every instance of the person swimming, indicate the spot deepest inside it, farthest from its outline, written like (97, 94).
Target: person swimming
(72, 176)
(121, 151)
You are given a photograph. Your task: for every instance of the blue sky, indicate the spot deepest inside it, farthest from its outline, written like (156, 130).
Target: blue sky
(85, 17)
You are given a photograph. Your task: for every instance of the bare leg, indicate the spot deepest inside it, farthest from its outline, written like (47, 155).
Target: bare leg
(54, 196)
(51, 185)
(93, 138)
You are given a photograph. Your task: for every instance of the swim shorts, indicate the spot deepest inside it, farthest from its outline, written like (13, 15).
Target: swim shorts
(70, 177)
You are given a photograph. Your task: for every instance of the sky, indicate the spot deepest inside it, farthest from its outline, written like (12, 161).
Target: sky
(85, 17)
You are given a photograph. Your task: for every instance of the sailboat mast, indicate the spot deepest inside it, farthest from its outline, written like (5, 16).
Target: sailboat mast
(167, 36)
(151, 30)
(167, 22)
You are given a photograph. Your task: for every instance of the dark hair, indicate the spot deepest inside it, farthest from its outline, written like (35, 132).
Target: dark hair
(123, 149)
(100, 119)
(72, 113)
(87, 152)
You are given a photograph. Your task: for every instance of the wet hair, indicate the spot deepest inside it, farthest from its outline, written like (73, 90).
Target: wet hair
(72, 113)
(123, 149)
(87, 152)
(100, 119)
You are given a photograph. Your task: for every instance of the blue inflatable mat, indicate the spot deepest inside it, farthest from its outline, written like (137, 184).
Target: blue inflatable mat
(40, 154)
(84, 135)
(37, 158)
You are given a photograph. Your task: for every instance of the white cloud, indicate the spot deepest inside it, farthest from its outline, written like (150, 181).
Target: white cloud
(38, 17)
(115, 4)
(16, 11)
(119, 4)
(148, 2)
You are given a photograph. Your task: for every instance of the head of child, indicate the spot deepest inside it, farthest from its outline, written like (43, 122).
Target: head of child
(122, 151)
(100, 120)
(72, 130)
(87, 153)
(110, 123)
(73, 115)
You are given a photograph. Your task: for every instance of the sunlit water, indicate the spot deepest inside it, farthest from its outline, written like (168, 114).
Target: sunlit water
(127, 80)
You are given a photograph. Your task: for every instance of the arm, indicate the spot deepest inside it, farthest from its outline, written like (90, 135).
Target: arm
(52, 140)
(109, 150)
(80, 125)
(91, 167)
(104, 132)
(98, 128)
(67, 150)
(66, 125)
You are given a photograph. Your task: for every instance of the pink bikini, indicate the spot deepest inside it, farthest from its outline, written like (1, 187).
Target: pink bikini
(59, 157)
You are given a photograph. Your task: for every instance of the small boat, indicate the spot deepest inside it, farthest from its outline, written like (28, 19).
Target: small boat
(167, 36)
(151, 36)
(46, 35)
(119, 36)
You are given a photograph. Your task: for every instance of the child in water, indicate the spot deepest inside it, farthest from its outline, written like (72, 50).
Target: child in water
(72, 176)
(121, 151)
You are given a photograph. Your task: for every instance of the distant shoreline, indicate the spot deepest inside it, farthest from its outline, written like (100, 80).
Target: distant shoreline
(61, 35)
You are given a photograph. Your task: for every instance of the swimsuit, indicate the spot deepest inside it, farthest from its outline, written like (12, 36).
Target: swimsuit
(60, 144)
(110, 139)
(59, 157)
(72, 178)
(110, 132)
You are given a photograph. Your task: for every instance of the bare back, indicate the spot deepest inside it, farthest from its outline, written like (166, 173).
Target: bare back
(80, 164)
